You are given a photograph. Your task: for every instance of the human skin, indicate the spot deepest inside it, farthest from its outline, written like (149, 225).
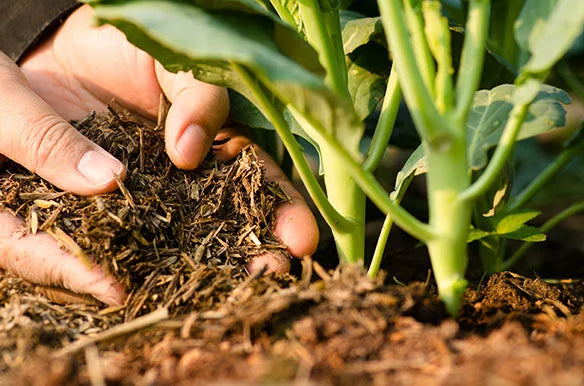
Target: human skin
(79, 69)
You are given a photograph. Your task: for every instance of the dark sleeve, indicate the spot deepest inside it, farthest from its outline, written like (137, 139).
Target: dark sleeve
(24, 23)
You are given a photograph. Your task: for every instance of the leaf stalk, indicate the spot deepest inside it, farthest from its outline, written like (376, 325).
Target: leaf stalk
(385, 124)
(473, 55)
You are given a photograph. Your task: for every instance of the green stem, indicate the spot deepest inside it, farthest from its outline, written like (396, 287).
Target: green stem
(284, 13)
(419, 43)
(385, 123)
(502, 153)
(473, 54)
(438, 36)
(384, 234)
(549, 225)
(330, 214)
(450, 217)
(366, 181)
(323, 32)
(318, 36)
(332, 20)
(380, 247)
(419, 99)
(349, 200)
(545, 176)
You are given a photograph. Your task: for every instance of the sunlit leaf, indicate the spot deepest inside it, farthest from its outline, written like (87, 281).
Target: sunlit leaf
(490, 112)
(514, 221)
(415, 165)
(548, 28)
(361, 31)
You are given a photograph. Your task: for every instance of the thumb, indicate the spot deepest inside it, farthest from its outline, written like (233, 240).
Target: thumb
(197, 113)
(35, 136)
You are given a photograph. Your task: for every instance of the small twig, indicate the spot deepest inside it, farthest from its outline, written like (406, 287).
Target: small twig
(116, 331)
(141, 132)
(321, 272)
(94, 366)
(125, 191)
(163, 106)
(306, 271)
(80, 124)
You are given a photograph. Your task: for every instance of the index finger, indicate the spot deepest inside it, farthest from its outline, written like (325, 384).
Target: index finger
(197, 113)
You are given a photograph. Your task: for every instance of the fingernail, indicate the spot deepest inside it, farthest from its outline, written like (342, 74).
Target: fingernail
(98, 169)
(190, 144)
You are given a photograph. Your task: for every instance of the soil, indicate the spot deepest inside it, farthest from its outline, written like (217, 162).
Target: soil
(180, 241)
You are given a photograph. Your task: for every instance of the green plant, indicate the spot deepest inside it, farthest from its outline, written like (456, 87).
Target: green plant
(315, 71)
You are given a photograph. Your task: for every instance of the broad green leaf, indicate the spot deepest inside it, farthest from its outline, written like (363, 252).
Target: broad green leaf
(359, 32)
(415, 165)
(490, 112)
(534, 15)
(526, 233)
(243, 112)
(514, 221)
(549, 30)
(487, 118)
(367, 74)
(367, 62)
(282, 62)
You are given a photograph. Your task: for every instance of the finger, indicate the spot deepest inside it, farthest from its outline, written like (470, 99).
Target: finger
(274, 262)
(295, 224)
(39, 260)
(197, 113)
(62, 296)
(35, 136)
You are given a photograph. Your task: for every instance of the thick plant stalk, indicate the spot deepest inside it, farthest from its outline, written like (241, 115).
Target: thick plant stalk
(349, 200)
(447, 177)
(444, 138)
(324, 34)
(320, 38)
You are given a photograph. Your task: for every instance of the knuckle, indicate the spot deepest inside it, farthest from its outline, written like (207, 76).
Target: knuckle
(9, 71)
(47, 138)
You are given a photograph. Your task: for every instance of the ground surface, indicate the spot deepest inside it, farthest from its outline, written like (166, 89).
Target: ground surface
(195, 316)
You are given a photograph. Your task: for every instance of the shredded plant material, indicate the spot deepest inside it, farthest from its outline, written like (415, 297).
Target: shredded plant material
(165, 230)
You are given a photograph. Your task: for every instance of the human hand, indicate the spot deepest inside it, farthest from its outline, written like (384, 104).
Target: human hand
(79, 69)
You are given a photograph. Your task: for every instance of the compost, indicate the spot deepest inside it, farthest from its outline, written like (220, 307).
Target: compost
(180, 241)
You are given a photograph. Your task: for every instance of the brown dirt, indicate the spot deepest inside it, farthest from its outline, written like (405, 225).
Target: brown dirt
(226, 327)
